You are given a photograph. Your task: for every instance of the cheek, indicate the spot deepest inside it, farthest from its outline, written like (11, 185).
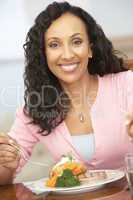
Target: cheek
(52, 57)
(52, 60)
(83, 52)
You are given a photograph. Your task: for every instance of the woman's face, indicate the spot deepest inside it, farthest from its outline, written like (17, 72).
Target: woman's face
(67, 48)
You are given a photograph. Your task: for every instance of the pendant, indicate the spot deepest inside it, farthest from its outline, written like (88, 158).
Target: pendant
(81, 117)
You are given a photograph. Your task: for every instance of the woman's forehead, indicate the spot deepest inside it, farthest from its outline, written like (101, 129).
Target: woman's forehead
(67, 24)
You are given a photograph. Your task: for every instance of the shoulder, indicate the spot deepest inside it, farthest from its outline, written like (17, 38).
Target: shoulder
(122, 78)
(22, 119)
(129, 77)
(21, 115)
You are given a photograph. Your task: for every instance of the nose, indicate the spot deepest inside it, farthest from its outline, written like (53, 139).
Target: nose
(67, 52)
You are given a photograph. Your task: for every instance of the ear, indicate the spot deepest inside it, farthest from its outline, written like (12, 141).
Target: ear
(90, 53)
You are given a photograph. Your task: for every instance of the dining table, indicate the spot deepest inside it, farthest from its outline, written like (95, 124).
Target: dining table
(117, 190)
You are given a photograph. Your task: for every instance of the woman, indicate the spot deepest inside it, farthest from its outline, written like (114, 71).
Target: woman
(77, 92)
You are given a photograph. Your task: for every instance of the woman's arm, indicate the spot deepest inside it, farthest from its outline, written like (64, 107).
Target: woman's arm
(25, 137)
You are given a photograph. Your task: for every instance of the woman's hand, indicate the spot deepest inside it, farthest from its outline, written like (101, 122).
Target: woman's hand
(129, 124)
(9, 155)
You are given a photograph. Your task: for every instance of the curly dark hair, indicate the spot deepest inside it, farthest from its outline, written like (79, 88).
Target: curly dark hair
(42, 88)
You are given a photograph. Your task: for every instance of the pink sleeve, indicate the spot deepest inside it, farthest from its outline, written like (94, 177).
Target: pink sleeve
(129, 90)
(25, 136)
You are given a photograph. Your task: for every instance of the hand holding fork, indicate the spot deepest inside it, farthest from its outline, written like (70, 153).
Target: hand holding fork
(9, 155)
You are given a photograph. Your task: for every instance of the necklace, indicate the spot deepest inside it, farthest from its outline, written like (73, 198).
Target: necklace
(81, 117)
(91, 95)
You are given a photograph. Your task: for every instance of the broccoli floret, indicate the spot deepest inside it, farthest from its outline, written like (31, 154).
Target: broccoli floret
(67, 179)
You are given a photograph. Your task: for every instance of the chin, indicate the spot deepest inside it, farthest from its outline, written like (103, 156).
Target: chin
(71, 78)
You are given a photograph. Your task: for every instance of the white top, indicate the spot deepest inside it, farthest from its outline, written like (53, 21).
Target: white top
(84, 144)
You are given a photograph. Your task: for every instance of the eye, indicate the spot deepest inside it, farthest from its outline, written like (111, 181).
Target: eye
(53, 45)
(77, 42)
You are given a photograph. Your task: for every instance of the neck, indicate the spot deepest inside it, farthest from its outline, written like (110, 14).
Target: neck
(79, 90)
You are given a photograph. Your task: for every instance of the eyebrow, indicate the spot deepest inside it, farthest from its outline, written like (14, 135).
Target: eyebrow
(75, 34)
(56, 38)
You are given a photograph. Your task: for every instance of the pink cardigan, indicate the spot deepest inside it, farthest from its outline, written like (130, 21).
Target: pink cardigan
(112, 142)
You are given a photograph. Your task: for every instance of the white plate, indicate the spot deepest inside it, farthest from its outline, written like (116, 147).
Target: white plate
(95, 181)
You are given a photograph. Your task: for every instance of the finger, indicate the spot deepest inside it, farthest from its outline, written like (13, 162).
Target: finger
(6, 159)
(12, 164)
(8, 154)
(8, 140)
(14, 144)
(8, 148)
(2, 134)
(9, 159)
(5, 138)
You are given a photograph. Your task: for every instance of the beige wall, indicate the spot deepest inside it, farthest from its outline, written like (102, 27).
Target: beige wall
(124, 44)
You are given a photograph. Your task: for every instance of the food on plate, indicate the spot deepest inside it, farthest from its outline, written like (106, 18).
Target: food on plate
(66, 173)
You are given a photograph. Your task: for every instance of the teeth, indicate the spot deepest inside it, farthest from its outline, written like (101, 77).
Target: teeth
(69, 67)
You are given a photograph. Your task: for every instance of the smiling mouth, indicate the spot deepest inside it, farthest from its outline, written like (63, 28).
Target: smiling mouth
(68, 67)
